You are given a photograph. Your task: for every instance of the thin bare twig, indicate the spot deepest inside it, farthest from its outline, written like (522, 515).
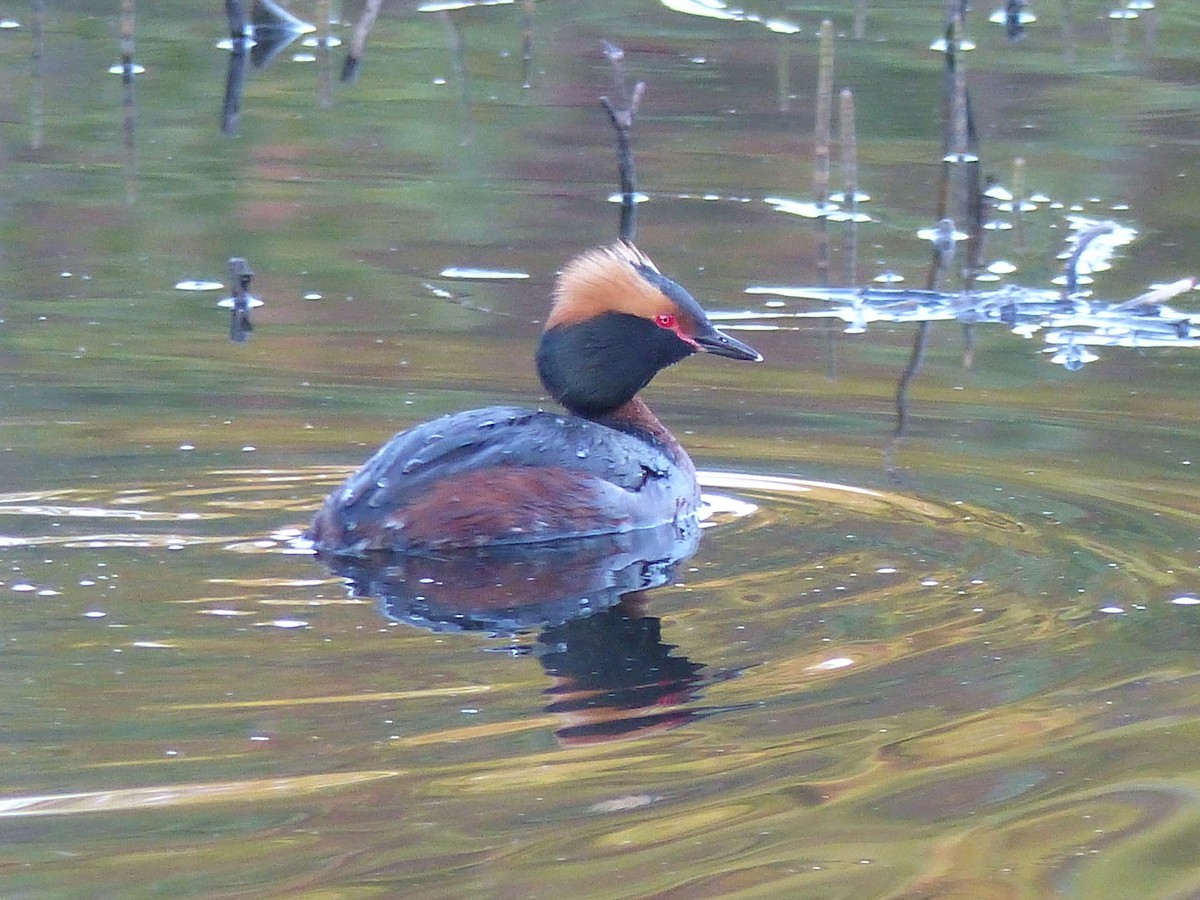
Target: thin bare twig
(621, 112)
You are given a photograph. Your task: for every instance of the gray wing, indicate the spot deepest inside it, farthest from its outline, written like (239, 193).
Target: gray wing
(414, 460)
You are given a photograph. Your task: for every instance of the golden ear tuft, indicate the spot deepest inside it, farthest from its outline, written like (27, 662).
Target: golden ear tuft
(631, 253)
(603, 280)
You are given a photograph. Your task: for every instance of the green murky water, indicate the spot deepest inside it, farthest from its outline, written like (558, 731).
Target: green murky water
(975, 679)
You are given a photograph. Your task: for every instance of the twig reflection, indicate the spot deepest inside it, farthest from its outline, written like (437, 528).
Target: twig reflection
(255, 39)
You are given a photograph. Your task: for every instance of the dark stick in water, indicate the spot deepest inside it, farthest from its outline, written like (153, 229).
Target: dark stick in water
(960, 146)
(621, 112)
(239, 317)
(358, 40)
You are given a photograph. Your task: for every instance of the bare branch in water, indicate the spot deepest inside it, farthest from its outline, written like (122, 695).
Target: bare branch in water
(960, 157)
(358, 41)
(910, 372)
(621, 111)
(240, 274)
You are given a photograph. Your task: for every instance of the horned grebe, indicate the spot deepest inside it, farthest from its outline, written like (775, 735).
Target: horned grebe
(506, 475)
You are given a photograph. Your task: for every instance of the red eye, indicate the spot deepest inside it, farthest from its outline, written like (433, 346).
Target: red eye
(665, 320)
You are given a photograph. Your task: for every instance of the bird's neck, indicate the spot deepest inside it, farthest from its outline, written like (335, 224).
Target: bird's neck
(597, 366)
(635, 415)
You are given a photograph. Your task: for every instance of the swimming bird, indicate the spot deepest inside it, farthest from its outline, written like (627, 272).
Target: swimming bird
(508, 475)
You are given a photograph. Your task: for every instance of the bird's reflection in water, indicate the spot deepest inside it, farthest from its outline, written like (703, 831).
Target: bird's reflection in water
(614, 677)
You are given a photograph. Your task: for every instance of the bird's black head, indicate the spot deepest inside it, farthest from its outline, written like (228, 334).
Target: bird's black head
(616, 321)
